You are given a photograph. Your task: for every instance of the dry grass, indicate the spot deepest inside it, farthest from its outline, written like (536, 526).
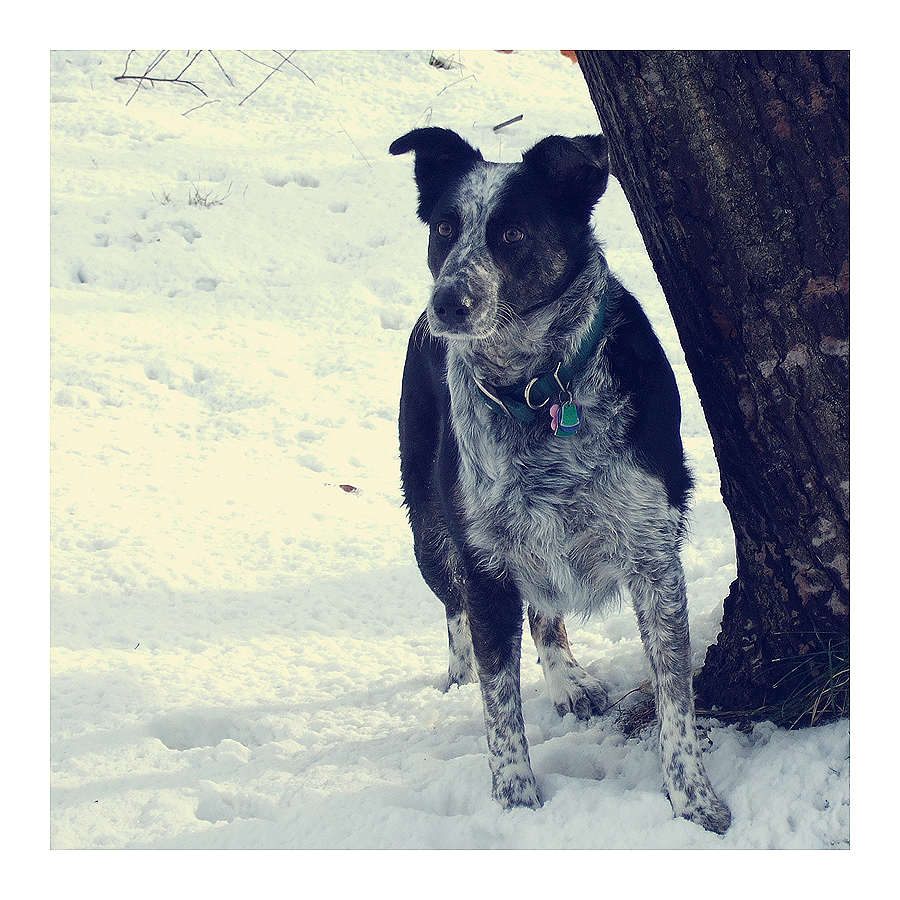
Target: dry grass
(818, 692)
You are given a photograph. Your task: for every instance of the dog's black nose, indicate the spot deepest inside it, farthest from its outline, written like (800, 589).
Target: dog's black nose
(452, 308)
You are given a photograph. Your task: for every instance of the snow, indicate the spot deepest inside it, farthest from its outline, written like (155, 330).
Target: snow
(243, 652)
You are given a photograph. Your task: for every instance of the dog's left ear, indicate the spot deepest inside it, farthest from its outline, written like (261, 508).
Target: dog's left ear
(577, 169)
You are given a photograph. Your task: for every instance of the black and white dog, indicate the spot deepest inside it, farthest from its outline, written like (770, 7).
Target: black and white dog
(540, 447)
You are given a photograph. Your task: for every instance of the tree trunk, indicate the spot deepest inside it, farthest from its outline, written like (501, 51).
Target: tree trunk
(737, 168)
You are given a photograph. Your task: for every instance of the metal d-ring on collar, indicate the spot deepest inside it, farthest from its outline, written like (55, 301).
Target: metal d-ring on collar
(564, 388)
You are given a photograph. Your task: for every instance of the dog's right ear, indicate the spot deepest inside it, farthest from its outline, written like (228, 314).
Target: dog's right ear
(442, 157)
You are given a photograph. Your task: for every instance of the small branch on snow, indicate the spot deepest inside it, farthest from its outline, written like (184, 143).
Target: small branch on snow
(188, 111)
(287, 59)
(147, 79)
(363, 155)
(141, 79)
(284, 59)
(221, 67)
(507, 122)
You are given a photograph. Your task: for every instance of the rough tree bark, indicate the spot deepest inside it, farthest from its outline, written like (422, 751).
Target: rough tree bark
(736, 165)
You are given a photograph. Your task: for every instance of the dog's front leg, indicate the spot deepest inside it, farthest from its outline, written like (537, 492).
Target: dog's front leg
(495, 617)
(661, 607)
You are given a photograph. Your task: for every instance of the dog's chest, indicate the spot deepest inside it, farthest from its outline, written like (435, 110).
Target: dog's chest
(548, 508)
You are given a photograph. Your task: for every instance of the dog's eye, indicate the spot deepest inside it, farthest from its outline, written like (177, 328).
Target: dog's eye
(444, 229)
(513, 235)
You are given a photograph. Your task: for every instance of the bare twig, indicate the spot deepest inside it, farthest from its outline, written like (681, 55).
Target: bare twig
(188, 111)
(221, 69)
(454, 83)
(150, 76)
(178, 76)
(287, 59)
(143, 78)
(159, 58)
(363, 155)
(284, 59)
(507, 122)
(259, 62)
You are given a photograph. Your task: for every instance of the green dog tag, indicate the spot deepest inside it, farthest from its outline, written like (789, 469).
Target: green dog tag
(569, 420)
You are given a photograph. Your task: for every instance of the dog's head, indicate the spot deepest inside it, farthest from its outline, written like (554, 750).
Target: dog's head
(505, 239)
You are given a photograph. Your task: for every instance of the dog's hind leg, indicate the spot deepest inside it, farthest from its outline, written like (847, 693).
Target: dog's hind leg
(441, 569)
(660, 601)
(461, 669)
(571, 688)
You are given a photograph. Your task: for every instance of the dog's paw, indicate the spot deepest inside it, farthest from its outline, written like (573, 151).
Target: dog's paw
(514, 789)
(458, 681)
(698, 803)
(713, 815)
(573, 690)
(460, 676)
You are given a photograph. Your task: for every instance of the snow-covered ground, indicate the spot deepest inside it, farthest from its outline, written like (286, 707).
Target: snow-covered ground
(243, 652)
